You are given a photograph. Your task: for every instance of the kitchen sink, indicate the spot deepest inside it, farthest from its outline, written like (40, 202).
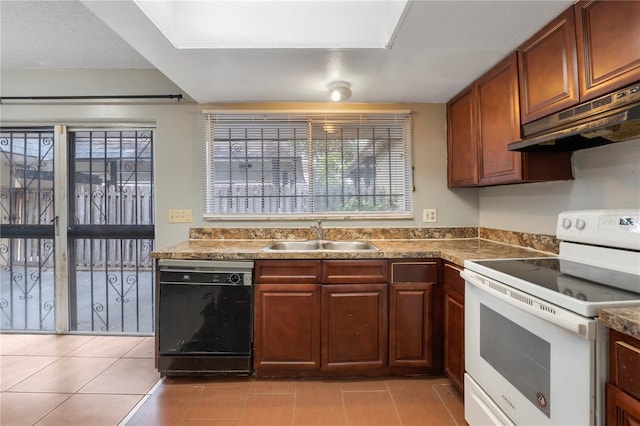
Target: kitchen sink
(320, 245)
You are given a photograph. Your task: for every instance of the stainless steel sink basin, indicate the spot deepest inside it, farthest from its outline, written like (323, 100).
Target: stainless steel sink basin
(348, 245)
(294, 245)
(320, 245)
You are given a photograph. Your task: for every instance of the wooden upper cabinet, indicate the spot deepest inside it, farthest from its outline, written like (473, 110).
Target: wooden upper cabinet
(499, 123)
(608, 40)
(548, 69)
(462, 140)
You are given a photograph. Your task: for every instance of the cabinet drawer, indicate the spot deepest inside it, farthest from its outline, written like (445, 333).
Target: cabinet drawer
(414, 272)
(355, 271)
(452, 279)
(625, 362)
(287, 271)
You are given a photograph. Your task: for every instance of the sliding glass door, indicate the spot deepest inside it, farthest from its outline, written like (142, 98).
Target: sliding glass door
(76, 230)
(27, 229)
(111, 231)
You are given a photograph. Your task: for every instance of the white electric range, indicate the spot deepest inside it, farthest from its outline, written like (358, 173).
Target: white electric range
(534, 350)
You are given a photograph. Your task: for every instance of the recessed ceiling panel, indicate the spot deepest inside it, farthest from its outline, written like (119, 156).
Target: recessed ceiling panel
(239, 24)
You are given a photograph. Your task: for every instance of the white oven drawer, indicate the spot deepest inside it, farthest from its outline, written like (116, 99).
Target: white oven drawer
(479, 409)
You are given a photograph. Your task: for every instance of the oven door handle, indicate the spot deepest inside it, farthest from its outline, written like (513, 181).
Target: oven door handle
(584, 327)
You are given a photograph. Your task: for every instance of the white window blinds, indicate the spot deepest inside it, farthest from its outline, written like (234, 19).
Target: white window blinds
(320, 165)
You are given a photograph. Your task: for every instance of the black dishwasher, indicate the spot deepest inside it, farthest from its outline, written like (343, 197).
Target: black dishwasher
(204, 317)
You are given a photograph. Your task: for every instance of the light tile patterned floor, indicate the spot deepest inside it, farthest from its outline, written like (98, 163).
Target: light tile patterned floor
(103, 380)
(73, 380)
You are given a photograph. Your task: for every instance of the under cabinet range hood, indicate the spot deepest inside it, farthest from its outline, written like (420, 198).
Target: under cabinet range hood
(607, 119)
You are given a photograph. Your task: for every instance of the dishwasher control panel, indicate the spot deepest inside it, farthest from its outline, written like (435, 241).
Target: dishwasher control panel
(206, 272)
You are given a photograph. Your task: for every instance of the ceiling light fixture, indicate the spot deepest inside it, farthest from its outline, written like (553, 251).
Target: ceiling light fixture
(339, 91)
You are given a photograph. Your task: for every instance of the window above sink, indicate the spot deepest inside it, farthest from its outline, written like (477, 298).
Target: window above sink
(307, 165)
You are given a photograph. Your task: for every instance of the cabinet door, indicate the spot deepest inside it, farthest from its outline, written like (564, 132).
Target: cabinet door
(621, 408)
(354, 326)
(454, 325)
(415, 314)
(462, 140)
(548, 69)
(499, 123)
(287, 326)
(608, 39)
(410, 324)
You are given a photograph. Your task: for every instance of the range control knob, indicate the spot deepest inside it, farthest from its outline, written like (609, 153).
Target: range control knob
(580, 224)
(566, 223)
(234, 278)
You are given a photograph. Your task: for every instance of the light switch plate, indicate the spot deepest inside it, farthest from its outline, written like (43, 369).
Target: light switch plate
(180, 216)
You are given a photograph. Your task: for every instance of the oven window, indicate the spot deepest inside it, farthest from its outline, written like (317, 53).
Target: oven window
(518, 355)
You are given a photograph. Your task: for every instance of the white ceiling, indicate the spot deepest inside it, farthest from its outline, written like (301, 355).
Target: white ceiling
(439, 49)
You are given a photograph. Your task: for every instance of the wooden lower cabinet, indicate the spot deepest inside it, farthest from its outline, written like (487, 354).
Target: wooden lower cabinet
(344, 317)
(415, 314)
(287, 326)
(354, 326)
(622, 409)
(454, 324)
(623, 389)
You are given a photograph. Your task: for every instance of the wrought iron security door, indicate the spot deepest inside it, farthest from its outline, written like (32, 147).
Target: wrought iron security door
(27, 184)
(111, 231)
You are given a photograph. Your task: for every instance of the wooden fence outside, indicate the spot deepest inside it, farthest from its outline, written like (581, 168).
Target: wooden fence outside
(130, 206)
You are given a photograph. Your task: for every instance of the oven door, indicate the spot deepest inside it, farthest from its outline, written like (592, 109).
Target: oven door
(535, 361)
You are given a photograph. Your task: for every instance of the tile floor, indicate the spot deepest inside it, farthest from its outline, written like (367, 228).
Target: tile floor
(73, 379)
(329, 402)
(104, 380)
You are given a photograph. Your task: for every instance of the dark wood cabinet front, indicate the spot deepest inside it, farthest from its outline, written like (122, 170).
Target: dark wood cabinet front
(415, 315)
(286, 312)
(499, 123)
(454, 325)
(490, 128)
(355, 271)
(623, 388)
(548, 69)
(462, 140)
(354, 326)
(608, 40)
(287, 326)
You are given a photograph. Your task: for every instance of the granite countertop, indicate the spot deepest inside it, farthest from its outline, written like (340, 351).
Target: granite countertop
(453, 250)
(624, 320)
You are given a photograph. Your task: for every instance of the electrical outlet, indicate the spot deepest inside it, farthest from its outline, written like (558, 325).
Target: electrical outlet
(429, 215)
(180, 216)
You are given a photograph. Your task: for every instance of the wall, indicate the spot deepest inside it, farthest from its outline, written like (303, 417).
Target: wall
(178, 144)
(605, 177)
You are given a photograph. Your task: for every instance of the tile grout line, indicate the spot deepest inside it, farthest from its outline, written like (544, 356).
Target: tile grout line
(35, 372)
(140, 403)
(393, 401)
(443, 403)
(344, 406)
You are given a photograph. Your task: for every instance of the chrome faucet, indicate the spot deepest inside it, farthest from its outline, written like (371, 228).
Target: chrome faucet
(318, 229)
